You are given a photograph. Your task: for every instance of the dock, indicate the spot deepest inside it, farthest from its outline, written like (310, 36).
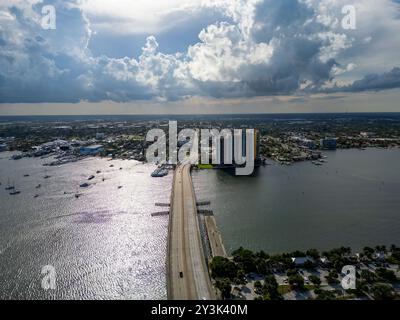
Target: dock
(160, 213)
(203, 203)
(205, 212)
(159, 204)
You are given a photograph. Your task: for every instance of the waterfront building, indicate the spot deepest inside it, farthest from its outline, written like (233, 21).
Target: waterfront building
(310, 144)
(304, 142)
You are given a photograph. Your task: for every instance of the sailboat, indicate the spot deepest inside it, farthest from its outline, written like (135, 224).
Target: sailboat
(14, 191)
(9, 186)
(46, 176)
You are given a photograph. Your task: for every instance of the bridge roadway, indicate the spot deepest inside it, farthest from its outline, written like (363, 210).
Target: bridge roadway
(187, 273)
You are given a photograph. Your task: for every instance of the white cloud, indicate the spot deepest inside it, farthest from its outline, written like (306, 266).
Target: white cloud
(138, 16)
(263, 47)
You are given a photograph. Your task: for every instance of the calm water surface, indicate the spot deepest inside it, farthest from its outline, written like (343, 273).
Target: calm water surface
(353, 200)
(104, 245)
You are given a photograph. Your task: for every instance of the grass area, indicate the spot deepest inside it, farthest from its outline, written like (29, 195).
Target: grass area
(284, 289)
(309, 287)
(205, 166)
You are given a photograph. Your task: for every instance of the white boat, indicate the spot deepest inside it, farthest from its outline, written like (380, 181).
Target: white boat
(159, 172)
(14, 191)
(9, 186)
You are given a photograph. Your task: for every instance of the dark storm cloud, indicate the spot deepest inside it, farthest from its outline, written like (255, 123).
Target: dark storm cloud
(372, 82)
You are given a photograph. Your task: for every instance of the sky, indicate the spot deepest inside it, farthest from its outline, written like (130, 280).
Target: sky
(199, 56)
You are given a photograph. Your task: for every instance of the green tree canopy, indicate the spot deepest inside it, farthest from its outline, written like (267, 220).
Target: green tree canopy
(382, 291)
(222, 267)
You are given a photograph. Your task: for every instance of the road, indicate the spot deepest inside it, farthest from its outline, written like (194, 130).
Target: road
(187, 273)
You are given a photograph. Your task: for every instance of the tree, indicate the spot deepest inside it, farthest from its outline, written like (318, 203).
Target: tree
(368, 252)
(381, 249)
(339, 263)
(270, 288)
(333, 274)
(261, 266)
(298, 253)
(262, 255)
(345, 250)
(283, 260)
(325, 295)
(313, 253)
(315, 280)
(223, 268)
(382, 291)
(386, 274)
(332, 277)
(309, 264)
(396, 255)
(245, 259)
(224, 286)
(296, 280)
(258, 287)
(241, 275)
(369, 276)
(291, 272)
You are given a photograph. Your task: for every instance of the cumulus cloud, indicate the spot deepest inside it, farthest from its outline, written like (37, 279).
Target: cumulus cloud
(259, 48)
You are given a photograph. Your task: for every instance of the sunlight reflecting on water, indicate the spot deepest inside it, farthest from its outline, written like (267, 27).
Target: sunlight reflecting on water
(104, 244)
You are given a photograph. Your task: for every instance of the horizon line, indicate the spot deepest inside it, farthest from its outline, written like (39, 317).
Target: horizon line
(198, 114)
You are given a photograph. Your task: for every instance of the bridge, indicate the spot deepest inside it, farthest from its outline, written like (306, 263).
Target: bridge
(187, 272)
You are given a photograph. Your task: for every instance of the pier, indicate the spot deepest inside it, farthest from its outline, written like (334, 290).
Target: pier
(214, 237)
(159, 204)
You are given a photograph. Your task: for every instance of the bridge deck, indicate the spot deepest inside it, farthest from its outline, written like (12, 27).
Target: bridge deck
(187, 277)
